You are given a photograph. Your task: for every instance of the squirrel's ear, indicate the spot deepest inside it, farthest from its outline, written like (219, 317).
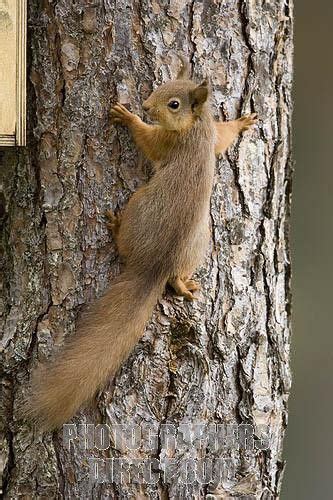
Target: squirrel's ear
(184, 72)
(199, 95)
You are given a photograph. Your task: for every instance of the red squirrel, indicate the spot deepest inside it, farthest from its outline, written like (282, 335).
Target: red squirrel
(162, 235)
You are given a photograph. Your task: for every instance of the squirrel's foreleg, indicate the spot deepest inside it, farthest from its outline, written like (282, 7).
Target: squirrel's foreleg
(151, 139)
(227, 132)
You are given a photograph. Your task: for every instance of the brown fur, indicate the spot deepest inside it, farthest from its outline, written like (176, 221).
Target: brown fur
(162, 235)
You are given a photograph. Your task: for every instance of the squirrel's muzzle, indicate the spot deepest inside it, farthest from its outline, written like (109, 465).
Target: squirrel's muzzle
(150, 110)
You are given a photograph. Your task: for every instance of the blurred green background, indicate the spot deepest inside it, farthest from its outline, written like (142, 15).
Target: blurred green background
(308, 445)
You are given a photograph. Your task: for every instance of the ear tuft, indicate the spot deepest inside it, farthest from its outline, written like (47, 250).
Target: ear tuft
(199, 95)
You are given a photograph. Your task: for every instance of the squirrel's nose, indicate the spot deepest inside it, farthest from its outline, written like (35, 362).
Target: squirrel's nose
(145, 106)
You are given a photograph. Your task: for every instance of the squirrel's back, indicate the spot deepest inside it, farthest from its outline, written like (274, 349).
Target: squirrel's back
(163, 218)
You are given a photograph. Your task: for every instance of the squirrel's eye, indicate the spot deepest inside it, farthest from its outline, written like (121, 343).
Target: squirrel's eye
(173, 104)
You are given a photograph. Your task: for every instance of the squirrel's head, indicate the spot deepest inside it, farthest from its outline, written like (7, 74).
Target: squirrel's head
(177, 104)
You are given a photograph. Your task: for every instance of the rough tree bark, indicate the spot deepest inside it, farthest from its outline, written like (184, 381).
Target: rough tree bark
(223, 359)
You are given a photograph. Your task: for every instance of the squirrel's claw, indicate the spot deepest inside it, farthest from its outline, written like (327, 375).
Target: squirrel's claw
(247, 121)
(120, 114)
(192, 285)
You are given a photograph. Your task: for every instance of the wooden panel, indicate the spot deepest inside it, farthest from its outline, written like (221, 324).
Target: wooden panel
(12, 72)
(7, 67)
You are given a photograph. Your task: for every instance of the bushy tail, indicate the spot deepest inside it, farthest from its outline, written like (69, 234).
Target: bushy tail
(106, 334)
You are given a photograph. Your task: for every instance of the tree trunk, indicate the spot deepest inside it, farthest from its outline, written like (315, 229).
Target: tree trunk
(221, 360)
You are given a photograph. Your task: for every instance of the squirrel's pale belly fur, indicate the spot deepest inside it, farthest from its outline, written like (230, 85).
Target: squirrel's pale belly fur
(162, 235)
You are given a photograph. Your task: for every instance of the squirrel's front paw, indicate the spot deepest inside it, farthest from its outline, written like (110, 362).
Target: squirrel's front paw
(119, 114)
(246, 121)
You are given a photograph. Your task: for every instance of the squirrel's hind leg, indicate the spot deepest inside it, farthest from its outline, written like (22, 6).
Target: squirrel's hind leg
(113, 224)
(184, 287)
